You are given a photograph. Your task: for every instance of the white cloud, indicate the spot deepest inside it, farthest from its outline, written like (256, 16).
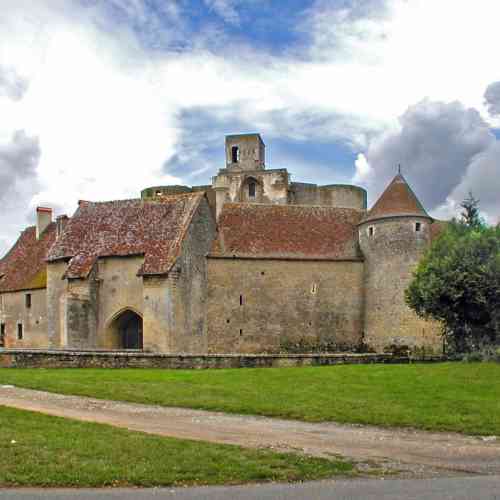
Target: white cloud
(445, 150)
(105, 104)
(226, 9)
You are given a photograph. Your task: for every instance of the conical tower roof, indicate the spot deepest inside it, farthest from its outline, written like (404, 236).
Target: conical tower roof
(397, 200)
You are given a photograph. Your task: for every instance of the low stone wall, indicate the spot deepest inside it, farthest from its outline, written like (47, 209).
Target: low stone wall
(34, 358)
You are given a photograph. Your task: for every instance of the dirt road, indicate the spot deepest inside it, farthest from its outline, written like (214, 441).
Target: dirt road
(401, 449)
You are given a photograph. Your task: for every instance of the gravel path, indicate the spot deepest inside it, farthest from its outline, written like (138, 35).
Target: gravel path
(416, 453)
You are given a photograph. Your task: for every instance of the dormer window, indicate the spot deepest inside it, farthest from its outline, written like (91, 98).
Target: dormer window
(235, 154)
(251, 189)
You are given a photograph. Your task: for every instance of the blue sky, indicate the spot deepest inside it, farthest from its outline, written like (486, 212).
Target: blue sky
(101, 98)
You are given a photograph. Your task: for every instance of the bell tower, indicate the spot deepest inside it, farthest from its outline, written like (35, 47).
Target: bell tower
(245, 152)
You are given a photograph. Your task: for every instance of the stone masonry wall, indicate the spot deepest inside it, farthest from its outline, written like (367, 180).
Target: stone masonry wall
(13, 311)
(56, 303)
(257, 306)
(190, 332)
(90, 359)
(391, 253)
(120, 289)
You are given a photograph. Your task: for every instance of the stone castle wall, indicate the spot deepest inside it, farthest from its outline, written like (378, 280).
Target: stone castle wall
(95, 359)
(189, 332)
(13, 311)
(392, 249)
(257, 306)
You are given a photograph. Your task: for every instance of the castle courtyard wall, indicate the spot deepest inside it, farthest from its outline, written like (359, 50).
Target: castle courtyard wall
(264, 305)
(13, 311)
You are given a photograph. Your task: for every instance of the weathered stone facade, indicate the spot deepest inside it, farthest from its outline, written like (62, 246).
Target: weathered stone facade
(24, 326)
(252, 264)
(392, 249)
(279, 306)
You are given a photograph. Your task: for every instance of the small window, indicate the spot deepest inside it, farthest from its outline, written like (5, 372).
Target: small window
(241, 300)
(371, 231)
(251, 189)
(28, 300)
(314, 288)
(418, 226)
(19, 331)
(2, 334)
(241, 332)
(235, 154)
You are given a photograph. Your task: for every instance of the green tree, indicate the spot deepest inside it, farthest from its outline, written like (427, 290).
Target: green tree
(470, 213)
(458, 283)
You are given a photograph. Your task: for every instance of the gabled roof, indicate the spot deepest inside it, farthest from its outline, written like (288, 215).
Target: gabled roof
(154, 229)
(24, 267)
(287, 231)
(398, 199)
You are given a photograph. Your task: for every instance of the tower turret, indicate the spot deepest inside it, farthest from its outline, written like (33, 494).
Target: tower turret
(245, 152)
(393, 236)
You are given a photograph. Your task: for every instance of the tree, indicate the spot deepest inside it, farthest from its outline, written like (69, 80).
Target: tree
(458, 283)
(470, 214)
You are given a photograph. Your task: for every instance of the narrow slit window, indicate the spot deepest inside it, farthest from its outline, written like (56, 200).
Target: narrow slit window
(19, 331)
(241, 332)
(235, 154)
(28, 300)
(2, 333)
(418, 226)
(241, 300)
(370, 231)
(314, 288)
(251, 189)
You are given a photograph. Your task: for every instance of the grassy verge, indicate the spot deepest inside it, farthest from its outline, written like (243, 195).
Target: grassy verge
(462, 397)
(40, 450)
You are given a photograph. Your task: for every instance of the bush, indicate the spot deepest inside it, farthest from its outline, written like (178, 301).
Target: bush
(486, 354)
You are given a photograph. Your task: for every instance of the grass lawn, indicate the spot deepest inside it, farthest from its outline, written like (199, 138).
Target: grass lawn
(40, 450)
(462, 397)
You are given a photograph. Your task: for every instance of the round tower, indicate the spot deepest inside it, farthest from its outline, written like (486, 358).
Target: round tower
(393, 237)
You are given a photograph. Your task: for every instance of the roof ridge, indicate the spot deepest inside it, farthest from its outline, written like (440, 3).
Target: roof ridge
(287, 206)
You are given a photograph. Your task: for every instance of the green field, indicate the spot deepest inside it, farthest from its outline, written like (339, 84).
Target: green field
(40, 450)
(462, 397)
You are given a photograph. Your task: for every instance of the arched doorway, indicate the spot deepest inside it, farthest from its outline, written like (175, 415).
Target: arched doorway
(251, 190)
(128, 327)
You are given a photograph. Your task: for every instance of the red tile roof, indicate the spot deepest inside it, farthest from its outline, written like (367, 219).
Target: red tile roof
(154, 229)
(287, 231)
(24, 267)
(397, 199)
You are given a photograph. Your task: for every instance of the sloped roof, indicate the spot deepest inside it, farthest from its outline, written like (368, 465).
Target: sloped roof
(287, 231)
(154, 229)
(24, 267)
(398, 199)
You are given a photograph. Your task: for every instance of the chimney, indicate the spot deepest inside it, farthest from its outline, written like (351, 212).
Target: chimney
(43, 219)
(61, 224)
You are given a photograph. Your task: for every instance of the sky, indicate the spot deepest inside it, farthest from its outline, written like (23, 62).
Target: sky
(102, 98)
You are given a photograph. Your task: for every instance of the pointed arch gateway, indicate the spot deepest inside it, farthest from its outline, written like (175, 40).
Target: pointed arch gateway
(126, 329)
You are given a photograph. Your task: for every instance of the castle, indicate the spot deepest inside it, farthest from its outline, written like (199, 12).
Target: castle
(253, 263)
